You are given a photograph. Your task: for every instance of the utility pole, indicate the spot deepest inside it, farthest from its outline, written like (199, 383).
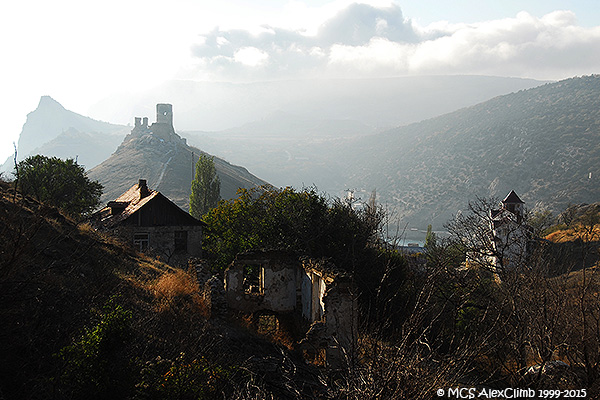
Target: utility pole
(192, 166)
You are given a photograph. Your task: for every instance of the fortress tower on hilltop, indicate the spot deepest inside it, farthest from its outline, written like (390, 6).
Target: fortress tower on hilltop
(162, 128)
(164, 114)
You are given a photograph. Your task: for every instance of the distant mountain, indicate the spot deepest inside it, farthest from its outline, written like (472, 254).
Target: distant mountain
(285, 149)
(377, 102)
(157, 154)
(544, 143)
(53, 130)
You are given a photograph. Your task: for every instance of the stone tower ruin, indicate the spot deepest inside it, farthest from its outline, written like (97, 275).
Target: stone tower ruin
(164, 114)
(162, 128)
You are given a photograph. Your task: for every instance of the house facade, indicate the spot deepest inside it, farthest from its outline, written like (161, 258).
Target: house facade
(153, 224)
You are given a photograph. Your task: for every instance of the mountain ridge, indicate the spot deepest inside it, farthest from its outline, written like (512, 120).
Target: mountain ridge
(51, 128)
(377, 102)
(542, 142)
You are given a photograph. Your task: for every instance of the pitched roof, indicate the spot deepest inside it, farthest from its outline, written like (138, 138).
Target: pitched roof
(512, 198)
(130, 202)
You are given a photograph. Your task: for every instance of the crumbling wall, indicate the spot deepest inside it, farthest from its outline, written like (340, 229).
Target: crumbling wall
(275, 287)
(341, 320)
(312, 290)
(329, 303)
(213, 298)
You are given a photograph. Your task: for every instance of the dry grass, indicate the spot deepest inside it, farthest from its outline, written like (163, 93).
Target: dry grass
(570, 235)
(174, 286)
(86, 229)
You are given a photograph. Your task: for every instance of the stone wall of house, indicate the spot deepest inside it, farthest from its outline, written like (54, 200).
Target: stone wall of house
(161, 241)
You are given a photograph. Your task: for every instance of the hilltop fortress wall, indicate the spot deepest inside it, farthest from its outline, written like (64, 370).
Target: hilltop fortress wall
(162, 128)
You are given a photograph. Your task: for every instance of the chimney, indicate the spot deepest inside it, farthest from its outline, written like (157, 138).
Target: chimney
(117, 207)
(143, 188)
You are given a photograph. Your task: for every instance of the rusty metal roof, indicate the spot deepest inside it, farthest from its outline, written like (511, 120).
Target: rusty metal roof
(129, 203)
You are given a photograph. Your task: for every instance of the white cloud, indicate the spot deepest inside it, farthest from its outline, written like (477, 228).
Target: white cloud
(79, 52)
(250, 56)
(362, 40)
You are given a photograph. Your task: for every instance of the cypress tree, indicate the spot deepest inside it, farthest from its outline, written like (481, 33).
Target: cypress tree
(206, 187)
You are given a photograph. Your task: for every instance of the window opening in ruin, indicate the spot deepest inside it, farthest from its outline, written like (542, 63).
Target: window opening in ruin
(181, 241)
(141, 241)
(253, 278)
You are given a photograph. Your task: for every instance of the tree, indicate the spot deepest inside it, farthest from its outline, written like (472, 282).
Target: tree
(206, 187)
(430, 238)
(60, 183)
(302, 221)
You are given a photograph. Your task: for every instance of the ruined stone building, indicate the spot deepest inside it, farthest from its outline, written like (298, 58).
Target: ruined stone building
(163, 127)
(152, 223)
(313, 291)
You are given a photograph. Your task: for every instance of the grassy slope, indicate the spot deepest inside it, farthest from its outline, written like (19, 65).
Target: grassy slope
(55, 277)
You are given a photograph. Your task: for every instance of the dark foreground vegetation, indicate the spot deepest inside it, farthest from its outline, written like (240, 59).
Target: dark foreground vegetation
(85, 316)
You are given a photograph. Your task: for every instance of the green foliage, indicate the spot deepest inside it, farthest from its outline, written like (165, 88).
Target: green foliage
(206, 187)
(61, 183)
(97, 366)
(430, 238)
(287, 219)
(164, 379)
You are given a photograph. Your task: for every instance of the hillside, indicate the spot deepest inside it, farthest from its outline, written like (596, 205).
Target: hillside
(53, 130)
(544, 143)
(285, 149)
(167, 166)
(86, 316)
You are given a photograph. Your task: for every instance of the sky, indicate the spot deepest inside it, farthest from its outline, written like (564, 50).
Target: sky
(80, 52)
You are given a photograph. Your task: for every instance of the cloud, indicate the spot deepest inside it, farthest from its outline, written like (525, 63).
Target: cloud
(250, 56)
(359, 23)
(365, 40)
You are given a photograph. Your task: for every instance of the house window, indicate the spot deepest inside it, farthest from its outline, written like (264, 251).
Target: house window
(141, 241)
(181, 241)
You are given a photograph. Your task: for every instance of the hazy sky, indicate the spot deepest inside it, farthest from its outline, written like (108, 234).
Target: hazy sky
(80, 52)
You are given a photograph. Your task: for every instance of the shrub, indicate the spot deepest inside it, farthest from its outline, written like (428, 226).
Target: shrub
(96, 366)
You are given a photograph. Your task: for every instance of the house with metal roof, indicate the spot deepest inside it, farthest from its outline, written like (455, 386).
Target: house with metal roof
(152, 223)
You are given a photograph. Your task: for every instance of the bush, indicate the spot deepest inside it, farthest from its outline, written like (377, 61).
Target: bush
(164, 379)
(173, 286)
(96, 366)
